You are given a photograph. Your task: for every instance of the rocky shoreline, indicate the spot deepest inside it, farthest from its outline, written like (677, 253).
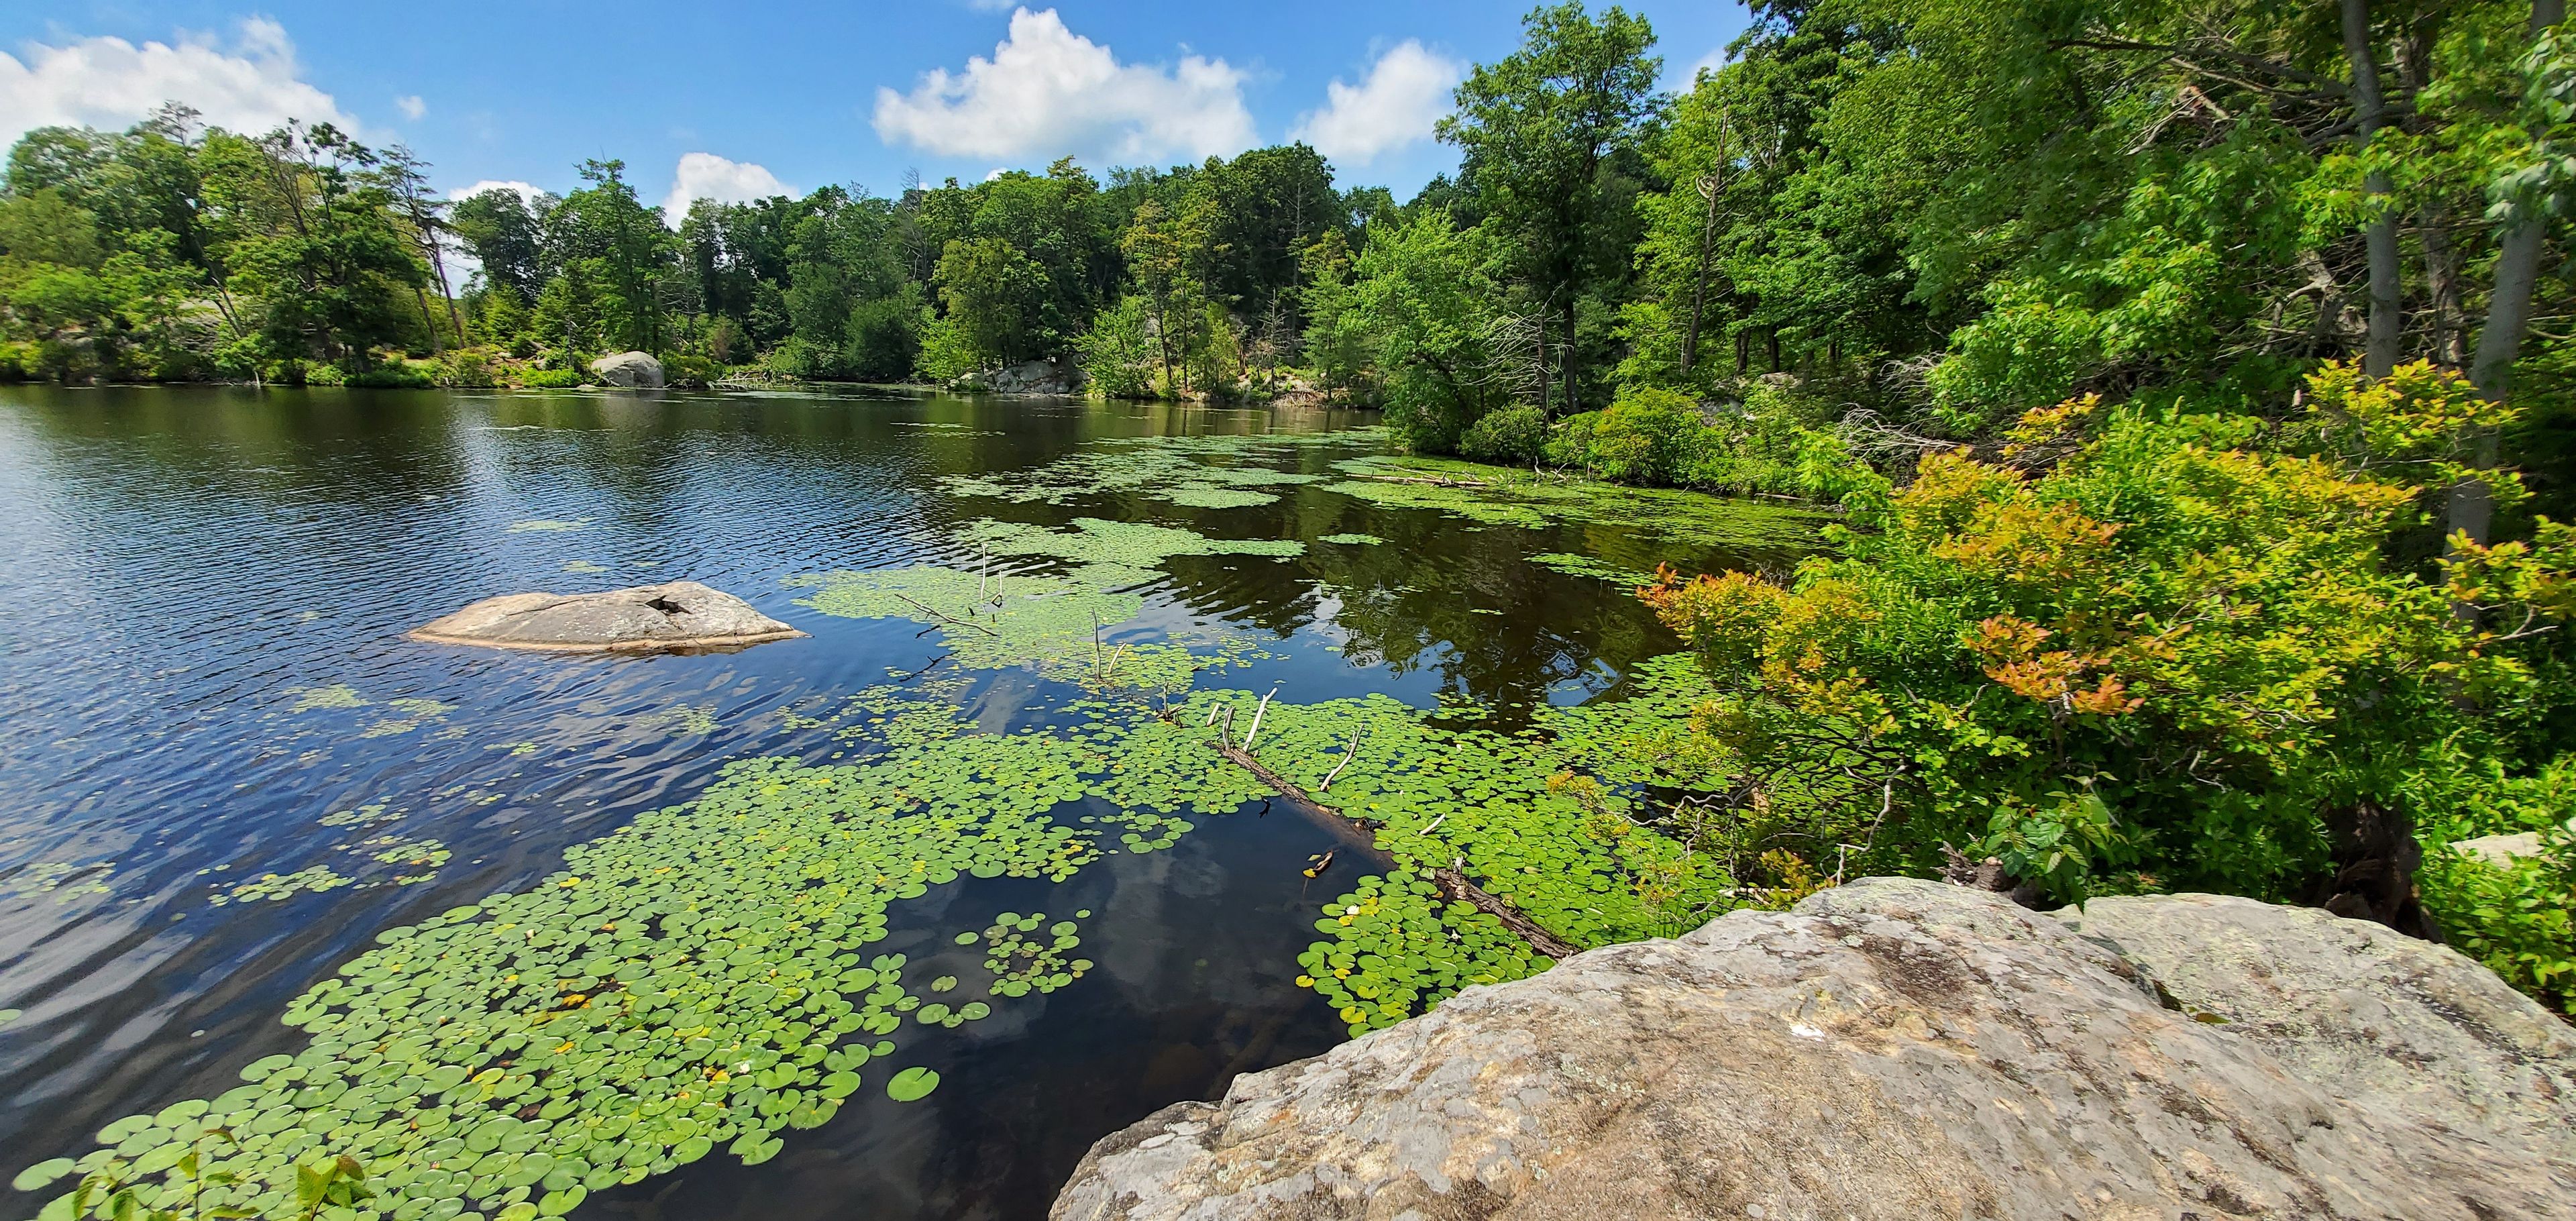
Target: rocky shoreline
(1897, 1048)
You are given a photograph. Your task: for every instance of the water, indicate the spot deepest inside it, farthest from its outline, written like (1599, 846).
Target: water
(202, 595)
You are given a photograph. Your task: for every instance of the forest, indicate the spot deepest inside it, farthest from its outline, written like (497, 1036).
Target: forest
(2192, 380)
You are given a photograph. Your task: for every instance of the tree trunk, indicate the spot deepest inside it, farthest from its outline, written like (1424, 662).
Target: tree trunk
(1572, 373)
(2387, 309)
(2471, 510)
(2442, 284)
(1699, 281)
(1542, 362)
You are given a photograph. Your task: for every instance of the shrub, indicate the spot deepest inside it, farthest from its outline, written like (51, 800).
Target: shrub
(550, 379)
(2514, 918)
(1646, 435)
(1512, 434)
(1569, 444)
(393, 376)
(467, 368)
(18, 360)
(2171, 654)
(682, 369)
(316, 373)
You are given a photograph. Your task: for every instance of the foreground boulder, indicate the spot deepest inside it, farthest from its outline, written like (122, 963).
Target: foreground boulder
(1898, 1049)
(628, 370)
(644, 619)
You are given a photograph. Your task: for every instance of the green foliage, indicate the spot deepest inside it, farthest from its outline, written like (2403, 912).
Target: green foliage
(1511, 434)
(2515, 918)
(2169, 652)
(1424, 302)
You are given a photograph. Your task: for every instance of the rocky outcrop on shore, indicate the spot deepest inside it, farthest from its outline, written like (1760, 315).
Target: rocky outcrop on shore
(1057, 376)
(1906, 1049)
(644, 619)
(628, 371)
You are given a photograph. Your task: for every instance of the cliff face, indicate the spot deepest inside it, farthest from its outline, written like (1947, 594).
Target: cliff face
(1904, 1049)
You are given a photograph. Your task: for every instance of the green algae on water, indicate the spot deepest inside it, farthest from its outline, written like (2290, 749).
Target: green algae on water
(1350, 540)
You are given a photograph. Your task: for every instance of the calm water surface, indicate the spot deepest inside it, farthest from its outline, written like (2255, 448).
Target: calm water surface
(202, 600)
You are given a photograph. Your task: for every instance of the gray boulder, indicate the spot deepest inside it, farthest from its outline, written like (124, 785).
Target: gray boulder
(2501, 850)
(2359, 1010)
(628, 370)
(644, 619)
(1026, 377)
(1890, 1049)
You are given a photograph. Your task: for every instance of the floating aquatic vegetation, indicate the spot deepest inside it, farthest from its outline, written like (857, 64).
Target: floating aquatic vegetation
(277, 887)
(545, 525)
(337, 695)
(403, 851)
(367, 815)
(583, 566)
(1393, 949)
(1130, 544)
(681, 720)
(1153, 464)
(912, 1084)
(1209, 496)
(1022, 963)
(1508, 496)
(693, 981)
(1350, 540)
(421, 707)
(63, 880)
(1587, 566)
(387, 727)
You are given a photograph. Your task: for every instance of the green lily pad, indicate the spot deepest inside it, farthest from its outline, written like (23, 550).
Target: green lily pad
(912, 1084)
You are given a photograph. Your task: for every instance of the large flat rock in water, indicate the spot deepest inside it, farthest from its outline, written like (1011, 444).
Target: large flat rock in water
(1903, 1049)
(644, 619)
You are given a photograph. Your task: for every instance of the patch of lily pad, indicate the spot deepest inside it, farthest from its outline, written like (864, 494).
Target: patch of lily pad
(1593, 567)
(1510, 496)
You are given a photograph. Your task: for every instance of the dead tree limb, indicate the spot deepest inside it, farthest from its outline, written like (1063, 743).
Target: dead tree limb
(1452, 884)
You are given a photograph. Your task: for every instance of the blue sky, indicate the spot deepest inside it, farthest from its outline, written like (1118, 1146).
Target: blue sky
(733, 100)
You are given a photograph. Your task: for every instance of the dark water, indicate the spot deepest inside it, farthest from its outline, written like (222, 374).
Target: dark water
(182, 571)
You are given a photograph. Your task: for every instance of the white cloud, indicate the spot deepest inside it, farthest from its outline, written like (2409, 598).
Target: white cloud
(525, 191)
(1048, 91)
(708, 176)
(411, 106)
(1716, 58)
(1407, 91)
(252, 86)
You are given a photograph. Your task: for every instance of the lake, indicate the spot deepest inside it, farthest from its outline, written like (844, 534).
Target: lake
(229, 772)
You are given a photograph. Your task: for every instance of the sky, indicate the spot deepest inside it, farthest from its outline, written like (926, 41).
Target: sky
(738, 100)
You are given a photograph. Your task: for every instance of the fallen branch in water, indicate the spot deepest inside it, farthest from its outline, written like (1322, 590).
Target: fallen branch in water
(935, 613)
(1434, 480)
(1348, 753)
(1452, 884)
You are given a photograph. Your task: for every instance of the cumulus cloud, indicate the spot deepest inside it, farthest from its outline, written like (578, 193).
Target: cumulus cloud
(524, 191)
(708, 176)
(1406, 91)
(411, 106)
(252, 85)
(1048, 91)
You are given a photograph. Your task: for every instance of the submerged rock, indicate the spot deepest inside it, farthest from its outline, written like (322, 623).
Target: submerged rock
(1899, 1049)
(644, 619)
(628, 370)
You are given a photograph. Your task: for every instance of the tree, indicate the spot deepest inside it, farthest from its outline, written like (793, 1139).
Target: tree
(1537, 131)
(1423, 301)
(995, 296)
(631, 251)
(505, 234)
